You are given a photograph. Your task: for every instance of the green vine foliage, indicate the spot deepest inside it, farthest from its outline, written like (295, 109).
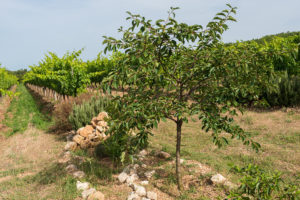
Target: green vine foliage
(69, 75)
(99, 68)
(6, 81)
(283, 56)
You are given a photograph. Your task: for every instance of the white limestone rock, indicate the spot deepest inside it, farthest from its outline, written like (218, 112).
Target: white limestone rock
(122, 177)
(86, 193)
(131, 179)
(218, 179)
(151, 195)
(133, 196)
(82, 186)
(140, 190)
(149, 174)
(144, 182)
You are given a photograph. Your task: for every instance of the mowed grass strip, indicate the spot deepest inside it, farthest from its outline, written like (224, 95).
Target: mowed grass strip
(22, 111)
(278, 133)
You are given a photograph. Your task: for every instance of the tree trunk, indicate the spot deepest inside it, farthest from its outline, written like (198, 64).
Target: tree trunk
(178, 145)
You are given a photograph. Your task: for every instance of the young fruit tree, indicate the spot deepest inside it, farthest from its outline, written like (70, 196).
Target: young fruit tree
(176, 71)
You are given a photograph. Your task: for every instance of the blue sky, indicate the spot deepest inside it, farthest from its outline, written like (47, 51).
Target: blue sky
(31, 28)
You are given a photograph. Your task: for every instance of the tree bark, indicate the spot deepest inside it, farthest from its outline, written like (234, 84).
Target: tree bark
(178, 145)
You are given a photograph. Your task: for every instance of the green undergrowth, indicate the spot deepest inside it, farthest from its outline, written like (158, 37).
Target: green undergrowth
(23, 111)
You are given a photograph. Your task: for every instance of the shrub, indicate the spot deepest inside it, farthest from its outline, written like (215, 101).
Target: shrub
(82, 114)
(63, 110)
(287, 93)
(259, 184)
(119, 147)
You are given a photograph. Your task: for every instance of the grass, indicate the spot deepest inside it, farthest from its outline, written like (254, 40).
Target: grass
(278, 133)
(101, 174)
(11, 172)
(95, 170)
(23, 111)
(51, 183)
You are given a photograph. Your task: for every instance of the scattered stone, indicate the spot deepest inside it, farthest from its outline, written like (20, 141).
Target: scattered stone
(144, 182)
(132, 178)
(140, 190)
(130, 169)
(71, 168)
(79, 159)
(149, 174)
(133, 196)
(152, 195)
(144, 166)
(86, 193)
(71, 146)
(218, 179)
(66, 158)
(143, 153)
(96, 196)
(78, 174)
(140, 158)
(67, 153)
(163, 155)
(133, 186)
(122, 177)
(82, 186)
(144, 198)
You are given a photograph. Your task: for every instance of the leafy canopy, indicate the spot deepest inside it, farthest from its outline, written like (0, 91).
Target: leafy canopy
(174, 70)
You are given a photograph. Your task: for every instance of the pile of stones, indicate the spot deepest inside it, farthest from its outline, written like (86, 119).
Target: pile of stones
(88, 192)
(90, 135)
